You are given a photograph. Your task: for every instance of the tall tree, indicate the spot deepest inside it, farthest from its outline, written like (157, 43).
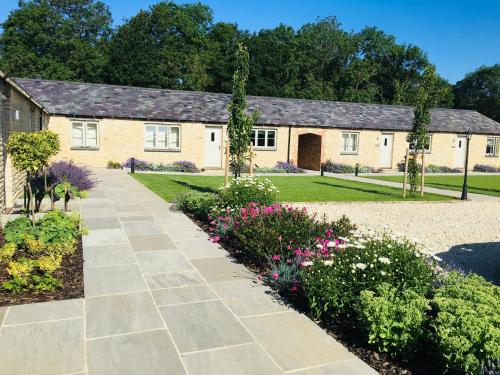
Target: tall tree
(162, 47)
(239, 125)
(56, 39)
(273, 65)
(480, 90)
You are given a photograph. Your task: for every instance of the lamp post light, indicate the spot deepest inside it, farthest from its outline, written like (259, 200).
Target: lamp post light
(464, 187)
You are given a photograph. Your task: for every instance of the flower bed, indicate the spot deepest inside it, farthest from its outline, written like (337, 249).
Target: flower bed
(390, 304)
(432, 168)
(42, 262)
(279, 167)
(176, 166)
(331, 167)
(486, 168)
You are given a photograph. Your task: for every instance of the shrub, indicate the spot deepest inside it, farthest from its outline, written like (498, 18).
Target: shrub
(486, 168)
(176, 166)
(78, 176)
(467, 323)
(262, 231)
(330, 166)
(363, 264)
(288, 167)
(196, 203)
(241, 191)
(33, 253)
(394, 321)
(431, 168)
(114, 164)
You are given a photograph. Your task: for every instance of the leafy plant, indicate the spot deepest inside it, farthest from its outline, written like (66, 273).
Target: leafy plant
(360, 264)
(196, 203)
(486, 168)
(114, 165)
(31, 153)
(467, 323)
(71, 180)
(241, 191)
(393, 320)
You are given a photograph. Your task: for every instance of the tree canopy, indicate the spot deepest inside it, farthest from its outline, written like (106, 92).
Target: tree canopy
(179, 46)
(480, 90)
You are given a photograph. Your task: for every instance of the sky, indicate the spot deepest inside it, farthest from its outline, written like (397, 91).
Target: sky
(458, 35)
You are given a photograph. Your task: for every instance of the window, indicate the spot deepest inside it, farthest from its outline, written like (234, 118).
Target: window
(492, 146)
(84, 135)
(162, 137)
(263, 138)
(350, 143)
(427, 144)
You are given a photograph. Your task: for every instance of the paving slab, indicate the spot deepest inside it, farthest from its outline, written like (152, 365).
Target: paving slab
(3, 311)
(134, 217)
(222, 269)
(350, 367)
(247, 297)
(200, 249)
(42, 348)
(97, 223)
(187, 294)
(128, 208)
(121, 313)
(45, 311)
(104, 237)
(151, 242)
(151, 262)
(174, 279)
(145, 353)
(294, 341)
(141, 227)
(247, 359)
(203, 325)
(108, 255)
(113, 279)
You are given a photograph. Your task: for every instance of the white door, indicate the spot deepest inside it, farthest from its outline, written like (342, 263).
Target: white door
(386, 142)
(460, 146)
(213, 139)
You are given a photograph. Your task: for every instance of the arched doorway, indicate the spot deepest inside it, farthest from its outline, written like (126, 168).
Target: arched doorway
(309, 156)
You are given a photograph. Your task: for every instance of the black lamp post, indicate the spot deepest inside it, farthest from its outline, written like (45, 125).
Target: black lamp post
(464, 187)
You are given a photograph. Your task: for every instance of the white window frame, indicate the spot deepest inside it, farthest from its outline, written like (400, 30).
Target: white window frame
(167, 146)
(427, 149)
(84, 146)
(496, 146)
(266, 131)
(342, 143)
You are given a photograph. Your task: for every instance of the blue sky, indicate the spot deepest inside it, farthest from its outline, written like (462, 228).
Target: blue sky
(458, 35)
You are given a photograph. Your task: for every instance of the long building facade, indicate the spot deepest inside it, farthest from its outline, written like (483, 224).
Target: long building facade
(100, 123)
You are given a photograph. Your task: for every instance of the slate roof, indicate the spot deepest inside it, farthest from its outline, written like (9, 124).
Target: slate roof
(99, 100)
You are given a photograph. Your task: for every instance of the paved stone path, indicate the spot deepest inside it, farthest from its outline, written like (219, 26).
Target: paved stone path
(428, 189)
(161, 299)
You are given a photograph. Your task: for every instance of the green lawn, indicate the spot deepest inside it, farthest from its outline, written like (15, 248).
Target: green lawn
(489, 185)
(292, 188)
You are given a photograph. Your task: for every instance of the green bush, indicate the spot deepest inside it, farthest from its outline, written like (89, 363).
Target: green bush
(263, 231)
(467, 323)
(363, 264)
(243, 190)
(114, 164)
(393, 321)
(32, 254)
(196, 203)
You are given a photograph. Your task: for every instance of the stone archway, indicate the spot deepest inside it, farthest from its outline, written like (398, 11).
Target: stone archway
(309, 155)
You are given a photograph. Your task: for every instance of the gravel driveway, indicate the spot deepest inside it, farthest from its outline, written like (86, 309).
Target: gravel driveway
(466, 234)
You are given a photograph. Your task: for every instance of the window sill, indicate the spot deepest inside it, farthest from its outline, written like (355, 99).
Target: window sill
(162, 150)
(349, 153)
(85, 148)
(264, 148)
(491, 156)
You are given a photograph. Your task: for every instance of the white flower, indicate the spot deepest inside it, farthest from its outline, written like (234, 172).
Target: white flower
(344, 239)
(435, 257)
(382, 273)
(328, 262)
(319, 246)
(384, 260)
(308, 263)
(361, 266)
(359, 246)
(331, 244)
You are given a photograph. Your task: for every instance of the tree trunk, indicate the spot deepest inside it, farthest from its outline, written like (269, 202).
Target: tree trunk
(31, 200)
(66, 199)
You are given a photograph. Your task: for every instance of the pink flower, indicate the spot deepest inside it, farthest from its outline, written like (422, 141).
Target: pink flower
(289, 261)
(259, 277)
(276, 257)
(294, 289)
(276, 276)
(298, 252)
(215, 239)
(329, 233)
(280, 238)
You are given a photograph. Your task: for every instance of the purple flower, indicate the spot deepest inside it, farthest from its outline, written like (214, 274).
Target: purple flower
(289, 167)
(77, 175)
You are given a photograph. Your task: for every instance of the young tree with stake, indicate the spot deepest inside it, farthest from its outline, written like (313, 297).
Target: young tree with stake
(239, 126)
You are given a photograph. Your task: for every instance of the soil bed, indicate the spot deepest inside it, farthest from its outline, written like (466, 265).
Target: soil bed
(345, 332)
(70, 274)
